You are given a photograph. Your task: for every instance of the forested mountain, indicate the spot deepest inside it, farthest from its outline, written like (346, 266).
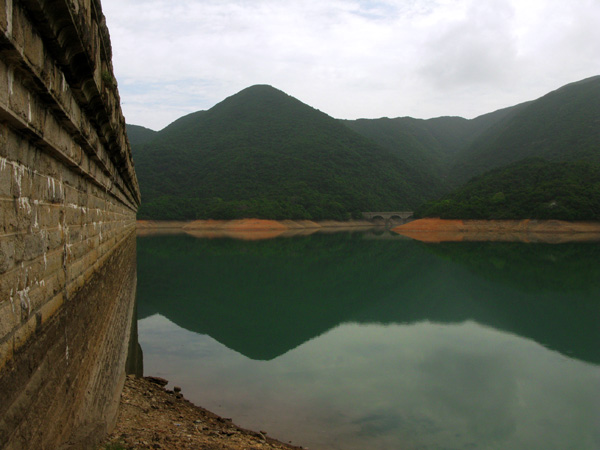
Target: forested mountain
(420, 143)
(138, 135)
(529, 189)
(262, 153)
(563, 125)
(430, 145)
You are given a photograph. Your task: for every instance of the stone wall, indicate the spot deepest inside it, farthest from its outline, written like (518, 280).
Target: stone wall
(68, 199)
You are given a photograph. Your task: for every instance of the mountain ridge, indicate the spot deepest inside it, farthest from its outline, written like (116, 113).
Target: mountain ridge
(264, 153)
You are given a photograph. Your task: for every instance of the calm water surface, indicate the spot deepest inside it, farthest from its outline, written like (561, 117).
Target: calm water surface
(363, 341)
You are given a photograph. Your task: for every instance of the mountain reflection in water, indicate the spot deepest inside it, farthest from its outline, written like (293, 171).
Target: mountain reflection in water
(264, 298)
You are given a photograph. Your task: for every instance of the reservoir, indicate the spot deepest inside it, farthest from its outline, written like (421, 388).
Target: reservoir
(369, 340)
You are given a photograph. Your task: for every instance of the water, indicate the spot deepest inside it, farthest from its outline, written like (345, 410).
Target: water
(355, 341)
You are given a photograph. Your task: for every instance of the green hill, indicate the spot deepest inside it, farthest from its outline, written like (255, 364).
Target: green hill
(529, 189)
(139, 135)
(424, 144)
(563, 125)
(431, 145)
(262, 153)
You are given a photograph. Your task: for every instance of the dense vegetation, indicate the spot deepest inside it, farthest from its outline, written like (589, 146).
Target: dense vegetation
(429, 145)
(563, 125)
(529, 189)
(139, 135)
(262, 153)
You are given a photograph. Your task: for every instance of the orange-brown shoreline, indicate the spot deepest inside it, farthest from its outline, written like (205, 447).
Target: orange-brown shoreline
(549, 231)
(248, 229)
(425, 230)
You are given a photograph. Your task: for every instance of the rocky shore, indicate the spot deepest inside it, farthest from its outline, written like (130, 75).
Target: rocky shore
(153, 418)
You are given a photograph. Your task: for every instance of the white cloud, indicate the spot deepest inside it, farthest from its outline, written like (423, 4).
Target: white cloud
(349, 58)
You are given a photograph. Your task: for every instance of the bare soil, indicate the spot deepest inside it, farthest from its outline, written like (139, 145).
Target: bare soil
(551, 231)
(152, 418)
(247, 229)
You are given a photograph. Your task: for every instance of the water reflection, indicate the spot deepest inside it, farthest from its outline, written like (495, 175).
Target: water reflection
(354, 341)
(420, 386)
(264, 298)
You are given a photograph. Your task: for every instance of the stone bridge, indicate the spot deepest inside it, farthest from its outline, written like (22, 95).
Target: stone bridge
(388, 215)
(68, 202)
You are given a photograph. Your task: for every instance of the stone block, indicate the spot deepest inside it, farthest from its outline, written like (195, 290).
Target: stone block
(6, 16)
(53, 263)
(24, 214)
(5, 178)
(7, 254)
(8, 283)
(75, 269)
(25, 332)
(19, 248)
(34, 246)
(51, 307)
(9, 317)
(6, 352)
(54, 239)
(33, 48)
(37, 296)
(9, 221)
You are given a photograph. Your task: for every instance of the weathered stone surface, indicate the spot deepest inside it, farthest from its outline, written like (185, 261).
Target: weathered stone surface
(68, 198)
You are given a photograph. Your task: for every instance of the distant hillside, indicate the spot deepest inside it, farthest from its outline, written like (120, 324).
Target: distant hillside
(424, 144)
(563, 125)
(529, 189)
(430, 145)
(262, 153)
(265, 154)
(138, 135)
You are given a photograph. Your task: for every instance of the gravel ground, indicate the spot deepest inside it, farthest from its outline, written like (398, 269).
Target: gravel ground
(151, 417)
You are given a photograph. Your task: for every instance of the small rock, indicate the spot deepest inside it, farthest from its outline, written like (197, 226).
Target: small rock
(158, 380)
(177, 389)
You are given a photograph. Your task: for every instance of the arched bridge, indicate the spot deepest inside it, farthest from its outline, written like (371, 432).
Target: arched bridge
(388, 215)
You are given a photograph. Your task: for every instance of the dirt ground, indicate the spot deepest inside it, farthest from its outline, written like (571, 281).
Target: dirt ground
(153, 418)
(547, 231)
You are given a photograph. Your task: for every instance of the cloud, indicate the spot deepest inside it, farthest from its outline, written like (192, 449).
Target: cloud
(349, 58)
(477, 48)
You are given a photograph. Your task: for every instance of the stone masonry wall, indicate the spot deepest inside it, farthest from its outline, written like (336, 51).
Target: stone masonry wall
(68, 199)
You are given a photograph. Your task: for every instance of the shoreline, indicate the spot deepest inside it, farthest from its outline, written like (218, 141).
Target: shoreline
(543, 231)
(248, 229)
(430, 230)
(151, 417)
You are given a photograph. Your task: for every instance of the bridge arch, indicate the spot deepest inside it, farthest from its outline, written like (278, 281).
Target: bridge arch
(387, 215)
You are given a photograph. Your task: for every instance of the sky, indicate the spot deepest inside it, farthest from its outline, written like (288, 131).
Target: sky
(349, 58)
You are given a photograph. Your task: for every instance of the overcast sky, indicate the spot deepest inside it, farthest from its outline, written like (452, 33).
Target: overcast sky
(349, 58)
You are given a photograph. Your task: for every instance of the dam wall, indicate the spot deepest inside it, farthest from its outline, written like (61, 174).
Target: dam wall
(68, 200)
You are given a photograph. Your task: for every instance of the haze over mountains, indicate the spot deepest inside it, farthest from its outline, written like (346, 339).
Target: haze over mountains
(261, 153)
